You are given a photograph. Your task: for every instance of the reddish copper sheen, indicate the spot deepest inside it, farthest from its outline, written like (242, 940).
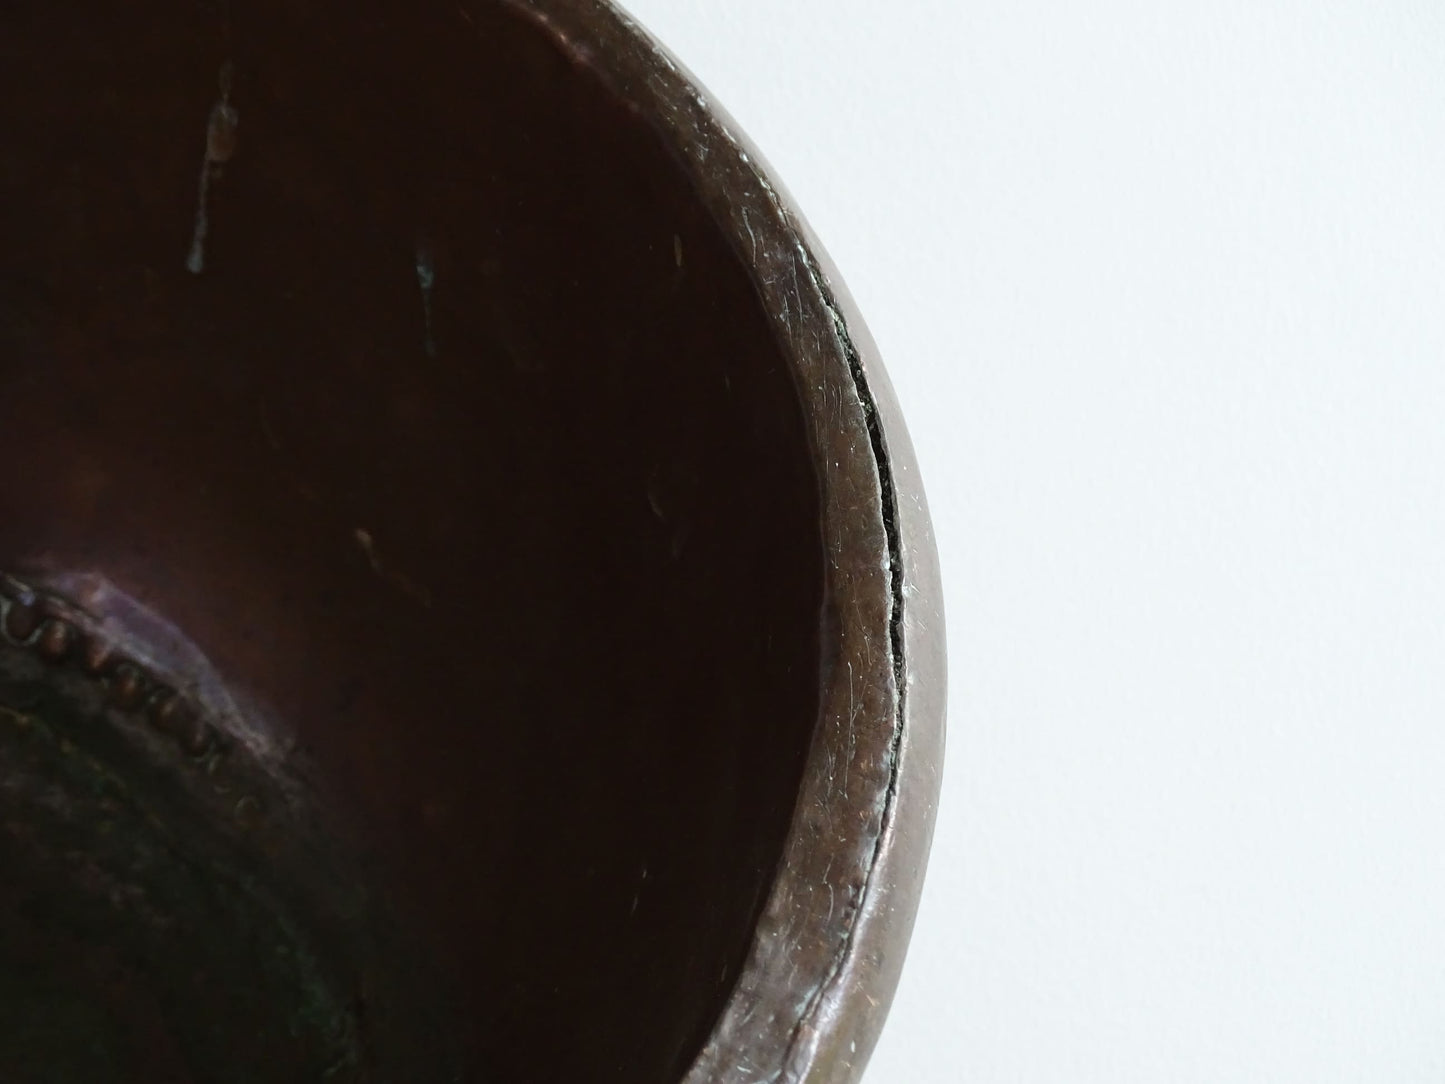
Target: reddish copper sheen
(97, 655)
(59, 642)
(55, 640)
(167, 710)
(127, 687)
(194, 735)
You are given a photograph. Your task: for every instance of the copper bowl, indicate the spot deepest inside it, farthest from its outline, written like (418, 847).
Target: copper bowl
(469, 611)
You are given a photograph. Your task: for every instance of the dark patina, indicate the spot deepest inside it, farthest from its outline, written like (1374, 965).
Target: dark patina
(468, 609)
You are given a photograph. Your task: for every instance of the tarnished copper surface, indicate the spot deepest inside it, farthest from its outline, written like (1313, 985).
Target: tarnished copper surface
(477, 461)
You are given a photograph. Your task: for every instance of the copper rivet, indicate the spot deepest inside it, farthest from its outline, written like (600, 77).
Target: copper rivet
(56, 639)
(97, 655)
(127, 687)
(21, 620)
(164, 707)
(195, 736)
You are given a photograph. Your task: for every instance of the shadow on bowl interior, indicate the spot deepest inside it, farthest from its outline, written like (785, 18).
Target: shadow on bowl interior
(414, 578)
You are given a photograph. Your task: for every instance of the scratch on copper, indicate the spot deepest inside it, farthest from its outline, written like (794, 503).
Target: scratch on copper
(426, 277)
(221, 125)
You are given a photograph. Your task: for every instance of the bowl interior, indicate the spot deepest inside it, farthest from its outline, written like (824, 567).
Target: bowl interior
(372, 378)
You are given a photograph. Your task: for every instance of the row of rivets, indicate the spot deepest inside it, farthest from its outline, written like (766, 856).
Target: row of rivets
(37, 621)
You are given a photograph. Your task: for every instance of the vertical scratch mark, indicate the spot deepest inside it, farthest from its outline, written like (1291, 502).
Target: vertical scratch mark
(426, 277)
(196, 261)
(220, 146)
(402, 581)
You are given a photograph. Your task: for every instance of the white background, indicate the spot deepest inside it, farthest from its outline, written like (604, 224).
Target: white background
(1162, 291)
(1161, 287)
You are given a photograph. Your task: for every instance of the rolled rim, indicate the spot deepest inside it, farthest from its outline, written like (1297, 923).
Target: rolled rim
(829, 944)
